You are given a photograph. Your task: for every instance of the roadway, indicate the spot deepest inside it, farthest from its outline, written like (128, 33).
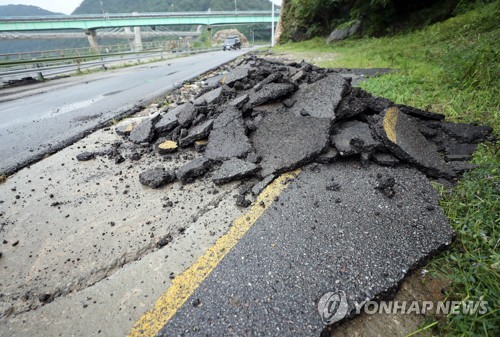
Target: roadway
(81, 252)
(36, 121)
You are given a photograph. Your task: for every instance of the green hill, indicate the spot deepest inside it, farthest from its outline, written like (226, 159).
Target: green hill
(305, 19)
(128, 6)
(24, 10)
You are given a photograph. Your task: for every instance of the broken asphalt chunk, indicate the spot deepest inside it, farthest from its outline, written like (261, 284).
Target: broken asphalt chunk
(329, 249)
(321, 98)
(200, 145)
(460, 152)
(285, 141)
(421, 114)
(273, 77)
(211, 97)
(144, 132)
(166, 123)
(157, 177)
(298, 76)
(241, 201)
(468, 133)
(228, 138)
(359, 102)
(195, 168)
(235, 75)
(240, 101)
(354, 137)
(385, 184)
(85, 156)
(186, 113)
(197, 132)
(234, 169)
(462, 166)
(270, 92)
(261, 185)
(401, 136)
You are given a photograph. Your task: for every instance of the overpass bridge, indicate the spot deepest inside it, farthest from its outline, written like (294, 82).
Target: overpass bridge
(118, 33)
(86, 22)
(90, 23)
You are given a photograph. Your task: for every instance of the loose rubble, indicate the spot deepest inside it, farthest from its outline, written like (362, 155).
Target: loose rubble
(156, 177)
(144, 132)
(264, 118)
(193, 169)
(234, 169)
(85, 156)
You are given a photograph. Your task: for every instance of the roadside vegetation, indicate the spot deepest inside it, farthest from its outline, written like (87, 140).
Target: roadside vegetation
(450, 67)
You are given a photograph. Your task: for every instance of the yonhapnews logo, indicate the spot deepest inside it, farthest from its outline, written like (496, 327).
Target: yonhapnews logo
(333, 307)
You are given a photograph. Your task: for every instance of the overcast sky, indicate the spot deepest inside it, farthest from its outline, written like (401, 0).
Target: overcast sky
(60, 6)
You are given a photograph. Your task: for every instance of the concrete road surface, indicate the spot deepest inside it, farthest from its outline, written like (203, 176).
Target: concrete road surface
(35, 121)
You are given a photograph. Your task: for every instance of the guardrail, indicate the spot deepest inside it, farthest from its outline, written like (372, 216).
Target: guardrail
(15, 58)
(57, 66)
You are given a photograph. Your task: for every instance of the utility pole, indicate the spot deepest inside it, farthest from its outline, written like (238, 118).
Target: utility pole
(272, 24)
(235, 6)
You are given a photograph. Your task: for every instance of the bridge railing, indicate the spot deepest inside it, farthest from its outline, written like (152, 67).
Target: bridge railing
(40, 56)
(138, 15)
(59, 66)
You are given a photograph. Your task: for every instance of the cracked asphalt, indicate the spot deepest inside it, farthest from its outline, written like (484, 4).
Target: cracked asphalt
(312, 240)
(89, 256)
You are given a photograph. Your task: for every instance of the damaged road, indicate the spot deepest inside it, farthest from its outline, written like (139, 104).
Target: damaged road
(43, 120)
(283, 116)
(87, 239)
(315, 240)
(372, 201)
(358, 217)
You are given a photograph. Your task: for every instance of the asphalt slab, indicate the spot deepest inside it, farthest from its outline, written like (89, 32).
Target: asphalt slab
(330, 230)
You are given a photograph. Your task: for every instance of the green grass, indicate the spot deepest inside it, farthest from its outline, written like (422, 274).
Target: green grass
(473, 264)
(452, 68)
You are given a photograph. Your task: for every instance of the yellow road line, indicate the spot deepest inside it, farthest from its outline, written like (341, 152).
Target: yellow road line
(390, 120)
(184, 285)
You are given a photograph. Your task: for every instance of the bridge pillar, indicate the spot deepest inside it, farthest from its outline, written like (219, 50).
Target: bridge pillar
(92, 37)
(128, 32)
(137, 36)
(137, 39)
